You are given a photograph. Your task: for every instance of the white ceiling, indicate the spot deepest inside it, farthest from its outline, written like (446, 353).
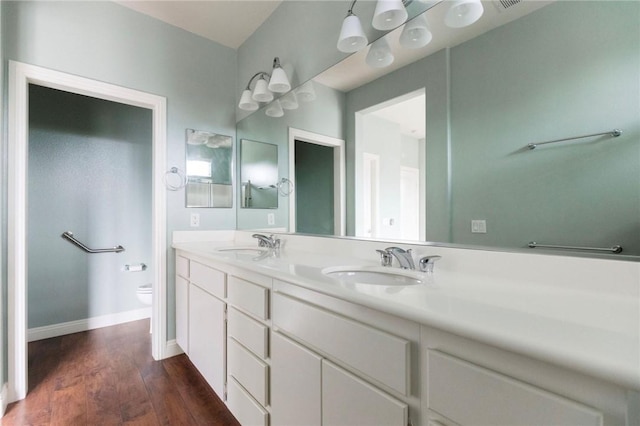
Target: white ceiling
(228, 22)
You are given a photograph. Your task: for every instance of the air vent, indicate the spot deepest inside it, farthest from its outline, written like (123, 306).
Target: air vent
(505, 4)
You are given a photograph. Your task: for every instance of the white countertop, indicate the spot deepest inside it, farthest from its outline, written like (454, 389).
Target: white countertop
(591, 332)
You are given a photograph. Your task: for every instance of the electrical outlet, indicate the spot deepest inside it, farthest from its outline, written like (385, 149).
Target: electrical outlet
(271, 219)
(195, 220)
(479, 226)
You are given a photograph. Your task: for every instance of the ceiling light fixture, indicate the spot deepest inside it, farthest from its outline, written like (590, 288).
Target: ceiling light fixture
(263, 90)
(463, 13)
(352, 37)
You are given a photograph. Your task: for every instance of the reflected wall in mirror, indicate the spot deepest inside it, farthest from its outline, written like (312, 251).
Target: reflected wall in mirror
(209, 169)
(258, 175)
(535, 72)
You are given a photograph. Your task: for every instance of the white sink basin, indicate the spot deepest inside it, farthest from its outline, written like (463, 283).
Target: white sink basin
(374, 275)
(252, 251)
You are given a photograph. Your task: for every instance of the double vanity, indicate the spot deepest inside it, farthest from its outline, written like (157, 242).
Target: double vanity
(318, 332)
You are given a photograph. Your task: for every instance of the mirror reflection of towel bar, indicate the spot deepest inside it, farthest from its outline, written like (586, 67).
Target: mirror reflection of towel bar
(615, 249)
(614, 133)
(68, 235)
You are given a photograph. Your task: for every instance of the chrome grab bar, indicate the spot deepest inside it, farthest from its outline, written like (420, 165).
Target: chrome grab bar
(615, 249)
(614, 133)
(68, 235)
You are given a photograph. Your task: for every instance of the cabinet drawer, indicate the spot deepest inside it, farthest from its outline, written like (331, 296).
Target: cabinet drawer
(458, 390)
(249, 332)
(208, 279)
(244, 408)
(377, 354)
(182, 266)
(249, 297)
(248, 370)
(348, 400)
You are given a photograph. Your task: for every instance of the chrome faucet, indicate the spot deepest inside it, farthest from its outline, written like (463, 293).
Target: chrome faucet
(426, 263)
(405, 258)
(270, 242)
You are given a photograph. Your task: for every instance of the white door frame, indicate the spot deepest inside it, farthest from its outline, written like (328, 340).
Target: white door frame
(20, 76)
(339, 176)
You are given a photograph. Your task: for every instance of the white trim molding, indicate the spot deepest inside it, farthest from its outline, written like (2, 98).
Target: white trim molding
(3, 399)
(20, 76)
(172, 349)
(86, 324)
(339, 176)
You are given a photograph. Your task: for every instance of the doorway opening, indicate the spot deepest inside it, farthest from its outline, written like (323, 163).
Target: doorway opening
(21, 76)
(317, 172)
(390, 169)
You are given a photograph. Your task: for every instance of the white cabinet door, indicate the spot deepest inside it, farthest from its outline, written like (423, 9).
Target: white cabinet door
(207, 337)
(182, 313)
(295, 383)
(349, 400)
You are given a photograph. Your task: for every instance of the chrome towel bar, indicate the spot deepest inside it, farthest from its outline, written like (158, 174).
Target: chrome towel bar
(614, 133)
(615, 249)
(68, 235)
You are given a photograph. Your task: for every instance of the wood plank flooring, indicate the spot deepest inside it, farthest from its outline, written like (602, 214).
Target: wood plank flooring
(108, 377)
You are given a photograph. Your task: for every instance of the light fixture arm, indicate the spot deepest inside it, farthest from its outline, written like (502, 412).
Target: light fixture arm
(350, 11)
(258, 74)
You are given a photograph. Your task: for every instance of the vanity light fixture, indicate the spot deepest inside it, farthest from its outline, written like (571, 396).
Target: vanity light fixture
(279, 83)
(289, 101)
(389, 14)
(263, 90)
(306, 92)
(463, 13)
(416, 33)
(379, 55)
(275, 109)
(352, 37)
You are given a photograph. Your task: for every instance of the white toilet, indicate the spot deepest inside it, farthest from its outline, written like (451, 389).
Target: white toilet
(145, 294)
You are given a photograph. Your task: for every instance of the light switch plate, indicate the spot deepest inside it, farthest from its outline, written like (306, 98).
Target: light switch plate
(479, 226)
(271, 219)
(195, 220)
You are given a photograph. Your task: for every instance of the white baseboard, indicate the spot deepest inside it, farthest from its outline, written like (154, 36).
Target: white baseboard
(3, 400)
(172, 349)
(61, 329)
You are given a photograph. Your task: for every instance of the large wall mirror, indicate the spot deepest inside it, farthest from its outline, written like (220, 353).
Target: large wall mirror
(438, 149)
(258, 175)
(209, 169)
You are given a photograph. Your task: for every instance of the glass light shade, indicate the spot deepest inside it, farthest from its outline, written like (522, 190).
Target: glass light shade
(306, 92)
(246, 102)
(279, 83)
(415, 33)
(274, 109)
(389, 14)
(379, 55)
(289, 101)
(261, 92)
(463, 13)
(352, 37)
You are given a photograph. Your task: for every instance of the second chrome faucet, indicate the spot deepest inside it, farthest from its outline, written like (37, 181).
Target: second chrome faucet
(405, 259)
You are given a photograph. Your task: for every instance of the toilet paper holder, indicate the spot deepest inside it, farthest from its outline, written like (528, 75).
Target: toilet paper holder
(135, 268)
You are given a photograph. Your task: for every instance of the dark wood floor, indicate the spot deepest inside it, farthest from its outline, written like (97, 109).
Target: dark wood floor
(108, 377)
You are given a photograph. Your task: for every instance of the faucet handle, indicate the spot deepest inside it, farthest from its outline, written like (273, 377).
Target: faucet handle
(426, 263)
(385, 258)
(275, 241)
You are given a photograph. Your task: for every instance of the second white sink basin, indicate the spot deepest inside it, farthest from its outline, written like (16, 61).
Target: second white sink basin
(374, 275)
